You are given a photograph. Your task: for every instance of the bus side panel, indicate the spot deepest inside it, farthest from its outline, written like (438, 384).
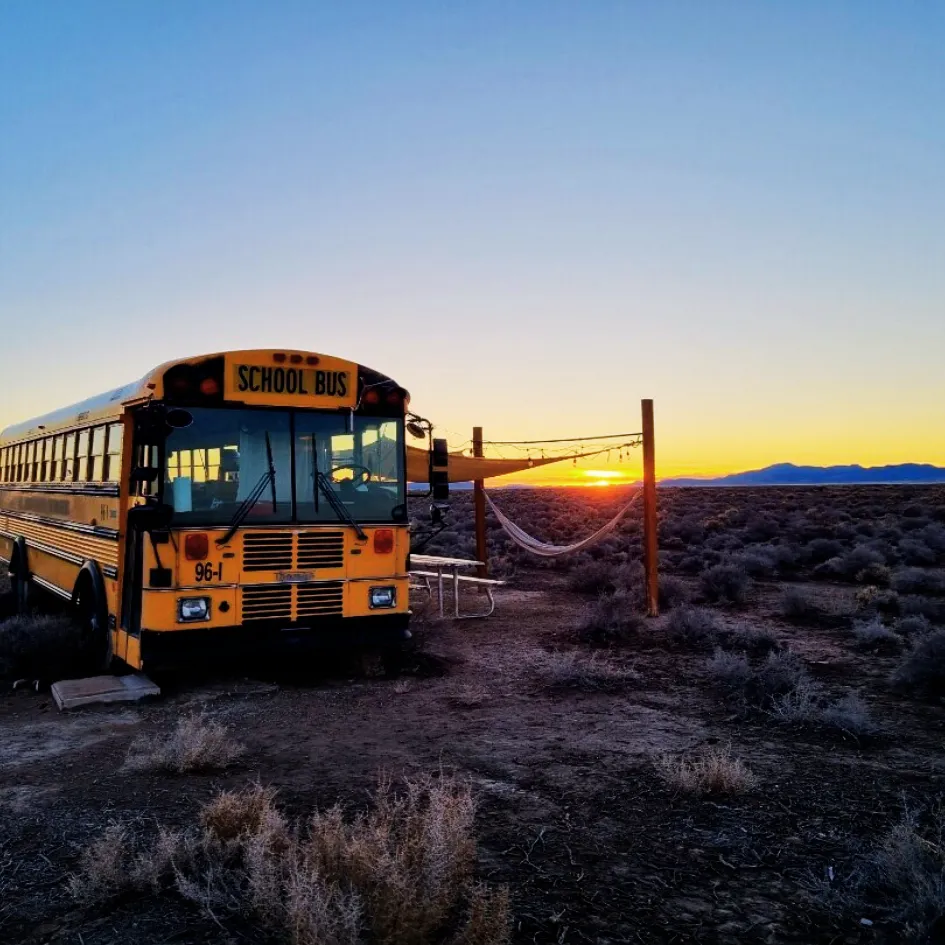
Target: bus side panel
(6, 546)
(55, 571)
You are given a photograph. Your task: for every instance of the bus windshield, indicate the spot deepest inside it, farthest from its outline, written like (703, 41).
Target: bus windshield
(215, 463)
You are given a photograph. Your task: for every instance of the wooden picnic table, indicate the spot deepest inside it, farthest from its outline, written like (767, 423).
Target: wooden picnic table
(453, 566)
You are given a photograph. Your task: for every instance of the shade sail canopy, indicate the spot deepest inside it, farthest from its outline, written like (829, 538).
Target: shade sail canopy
(467, 468)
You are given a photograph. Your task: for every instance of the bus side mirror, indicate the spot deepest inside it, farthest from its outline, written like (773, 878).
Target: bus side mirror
(439, 471)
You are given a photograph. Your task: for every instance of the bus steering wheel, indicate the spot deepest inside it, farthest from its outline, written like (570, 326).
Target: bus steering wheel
(356, 480)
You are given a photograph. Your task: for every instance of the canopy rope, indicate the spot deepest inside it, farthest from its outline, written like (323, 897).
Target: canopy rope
(547, 550)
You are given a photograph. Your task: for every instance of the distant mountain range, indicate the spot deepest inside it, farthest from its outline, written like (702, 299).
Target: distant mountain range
(787, 474)
(781, 474)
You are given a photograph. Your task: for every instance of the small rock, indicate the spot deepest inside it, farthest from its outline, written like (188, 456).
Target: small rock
(866, 921)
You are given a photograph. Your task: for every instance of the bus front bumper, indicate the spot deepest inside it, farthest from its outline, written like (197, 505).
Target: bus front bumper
(176, 647)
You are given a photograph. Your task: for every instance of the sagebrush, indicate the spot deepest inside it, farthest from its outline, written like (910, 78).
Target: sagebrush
(400, 873)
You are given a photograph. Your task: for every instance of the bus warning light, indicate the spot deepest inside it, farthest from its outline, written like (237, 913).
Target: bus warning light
(384, 541)
(196, 546)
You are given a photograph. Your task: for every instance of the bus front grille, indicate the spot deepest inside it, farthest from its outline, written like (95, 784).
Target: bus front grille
(267, 551)
(321, 550)
(323, 598)
(267, 602)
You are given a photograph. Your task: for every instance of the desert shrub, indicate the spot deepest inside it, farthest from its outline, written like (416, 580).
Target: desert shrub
(933, 537)
(673, 592)
(725, 583)
(876, 574)
(823, 549)
(752, 640)
(923, 667)
(760, 528)
(715, 771)
(914, 552)
(875, 635)
(911, 605)
(902, 880)
(731, 672)
(786, 557)
(918, 581)
(594, 577)
(502, 567)
(876, 600)
(196, 744)
(759, 686)
(612, 619)
(689, 564)
(691, 625)
(585, 673)
(39, 647)
(799, 607)
(855, 565)
(401, 873)
(802, 704)
(849, 714)
(916, 625)
(756, 563)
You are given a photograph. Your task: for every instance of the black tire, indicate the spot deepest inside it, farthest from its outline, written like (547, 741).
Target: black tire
(95, 641)
(19, 580)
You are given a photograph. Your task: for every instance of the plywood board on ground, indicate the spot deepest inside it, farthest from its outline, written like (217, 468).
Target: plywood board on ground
(72, 693)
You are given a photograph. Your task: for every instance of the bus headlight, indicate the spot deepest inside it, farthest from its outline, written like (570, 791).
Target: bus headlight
(190, 609)
(383, 597)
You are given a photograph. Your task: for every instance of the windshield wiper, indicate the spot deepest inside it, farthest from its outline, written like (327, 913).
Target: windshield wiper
(247, 505)
(323, 482)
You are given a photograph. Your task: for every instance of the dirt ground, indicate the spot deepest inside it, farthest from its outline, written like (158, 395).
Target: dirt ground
(572, 814)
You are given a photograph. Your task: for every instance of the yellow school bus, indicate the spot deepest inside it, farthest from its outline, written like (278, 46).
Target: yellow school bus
(244, 498)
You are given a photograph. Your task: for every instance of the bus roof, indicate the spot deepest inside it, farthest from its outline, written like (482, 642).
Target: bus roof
(110, 405)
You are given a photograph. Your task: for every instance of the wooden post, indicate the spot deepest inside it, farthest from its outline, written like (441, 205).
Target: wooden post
(650, 546)
(479, 504)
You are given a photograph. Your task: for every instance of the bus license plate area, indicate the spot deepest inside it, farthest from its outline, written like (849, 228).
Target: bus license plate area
(295, 577)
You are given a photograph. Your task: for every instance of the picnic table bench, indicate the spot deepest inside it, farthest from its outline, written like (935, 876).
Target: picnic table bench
(434, 566)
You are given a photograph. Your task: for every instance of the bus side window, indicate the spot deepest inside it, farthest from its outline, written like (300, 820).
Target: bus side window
(28, 466)
(3, 465)
(53, 455)
(57, 459)
(113, 453)
(82, 456)
(98, 454)
(68, 459)
(38, 461)
(46, 474)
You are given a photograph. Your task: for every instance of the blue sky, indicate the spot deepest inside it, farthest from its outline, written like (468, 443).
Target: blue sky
(531, 214)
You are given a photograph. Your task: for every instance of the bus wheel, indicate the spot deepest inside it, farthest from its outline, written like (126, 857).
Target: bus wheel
(95, 641)
(19, 578)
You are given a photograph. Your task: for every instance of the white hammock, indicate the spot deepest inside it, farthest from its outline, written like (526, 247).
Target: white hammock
(547, 550)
